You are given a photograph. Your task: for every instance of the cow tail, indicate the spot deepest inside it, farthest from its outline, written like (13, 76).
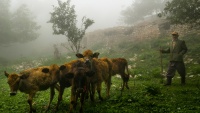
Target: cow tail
(127, 70)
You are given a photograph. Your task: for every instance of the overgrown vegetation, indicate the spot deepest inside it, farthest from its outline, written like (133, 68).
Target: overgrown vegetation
(146, 93)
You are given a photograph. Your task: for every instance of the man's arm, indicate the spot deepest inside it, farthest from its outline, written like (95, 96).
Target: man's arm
(165, 51)
(184, 48)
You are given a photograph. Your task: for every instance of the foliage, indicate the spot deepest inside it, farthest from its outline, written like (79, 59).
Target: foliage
(23, 25)
(153, 89)
(140, 9)
(143, 96)
(182, 12)
(65, 23)
(18, 26)
(5, 23)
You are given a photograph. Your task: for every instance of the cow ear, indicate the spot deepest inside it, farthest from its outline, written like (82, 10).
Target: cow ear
(96, 55)
(79, 55)
(24, 76)
(69, 75)
(6, 74)
(62, 67)
(45, 70)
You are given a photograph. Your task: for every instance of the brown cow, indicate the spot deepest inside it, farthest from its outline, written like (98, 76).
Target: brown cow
(65, 81)
(32, 80)
(80, 74)
(101, 71)
(120, 66)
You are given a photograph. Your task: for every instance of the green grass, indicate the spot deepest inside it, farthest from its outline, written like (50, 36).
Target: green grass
(143, 96)
(146, 93)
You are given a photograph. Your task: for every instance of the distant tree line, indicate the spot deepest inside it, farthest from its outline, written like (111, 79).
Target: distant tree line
(17, 26)
(140, 9)
(182, 12)
(175, 11)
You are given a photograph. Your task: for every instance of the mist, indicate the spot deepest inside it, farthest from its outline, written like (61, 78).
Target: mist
(105, 13)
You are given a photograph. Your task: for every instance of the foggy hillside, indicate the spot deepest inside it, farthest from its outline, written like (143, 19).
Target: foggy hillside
(107, 33)
(98, 10)
(111, 38)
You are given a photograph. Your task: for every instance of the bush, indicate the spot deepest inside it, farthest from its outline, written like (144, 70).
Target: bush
(153, 89)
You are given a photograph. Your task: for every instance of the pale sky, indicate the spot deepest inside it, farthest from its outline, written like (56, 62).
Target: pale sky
(105, 13)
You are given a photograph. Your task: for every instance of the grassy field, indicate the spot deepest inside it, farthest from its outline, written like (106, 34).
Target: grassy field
(146, 93)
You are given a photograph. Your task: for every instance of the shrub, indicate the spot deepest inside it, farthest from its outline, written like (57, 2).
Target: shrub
(153, 89)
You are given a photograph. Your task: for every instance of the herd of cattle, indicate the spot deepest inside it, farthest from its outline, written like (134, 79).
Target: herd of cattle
(84, 75)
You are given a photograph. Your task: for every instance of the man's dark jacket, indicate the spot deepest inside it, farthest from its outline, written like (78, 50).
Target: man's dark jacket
(176, 53)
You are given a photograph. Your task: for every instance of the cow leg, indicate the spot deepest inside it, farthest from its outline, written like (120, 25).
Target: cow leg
(92, 92)
(127, 76)
(87, 94)
(73, 100)
(123, 86)
(82, 101)
(52, 93)
(87, 91)
(127, 85)
(61, 91)
(76, 99)
(125, 79)
(108, 84)
(30, 101)
(99, 91)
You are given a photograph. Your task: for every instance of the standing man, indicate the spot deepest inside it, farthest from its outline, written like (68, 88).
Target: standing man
(177, 49)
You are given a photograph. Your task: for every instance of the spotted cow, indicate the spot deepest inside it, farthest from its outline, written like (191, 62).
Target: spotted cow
(32, 80)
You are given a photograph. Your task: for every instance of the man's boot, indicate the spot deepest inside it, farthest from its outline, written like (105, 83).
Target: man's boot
(183, 80)
(169, 81)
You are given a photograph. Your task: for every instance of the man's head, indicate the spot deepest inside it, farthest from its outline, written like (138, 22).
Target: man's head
(175, 35)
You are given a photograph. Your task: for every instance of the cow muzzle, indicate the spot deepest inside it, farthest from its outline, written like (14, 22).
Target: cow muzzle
(88, 62)
(13, 93)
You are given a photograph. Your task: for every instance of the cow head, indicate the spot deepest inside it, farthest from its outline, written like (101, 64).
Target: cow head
(13, 81)
(88, 55)
(79, 74)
